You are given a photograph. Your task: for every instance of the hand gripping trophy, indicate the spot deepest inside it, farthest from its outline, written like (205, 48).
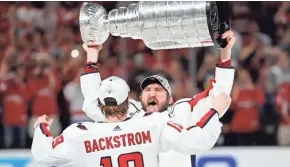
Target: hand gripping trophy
(160, 24)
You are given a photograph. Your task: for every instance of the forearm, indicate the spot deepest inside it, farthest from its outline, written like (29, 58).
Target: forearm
(92, 53)
(197, 138)
(226, 55)
(92, 58)
(202, 136)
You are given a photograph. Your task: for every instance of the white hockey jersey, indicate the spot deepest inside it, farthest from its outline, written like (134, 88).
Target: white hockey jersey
(183, 113)
(131, 143)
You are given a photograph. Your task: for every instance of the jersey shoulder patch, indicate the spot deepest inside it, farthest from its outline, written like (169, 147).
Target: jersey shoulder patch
(81, 126)
(76, 129)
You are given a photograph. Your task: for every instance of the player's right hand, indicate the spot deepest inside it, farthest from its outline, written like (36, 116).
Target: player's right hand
(231, 39)
(220, 102)
(226, 53)
(43, 119)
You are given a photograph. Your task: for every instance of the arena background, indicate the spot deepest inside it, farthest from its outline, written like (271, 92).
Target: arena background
(42, 39)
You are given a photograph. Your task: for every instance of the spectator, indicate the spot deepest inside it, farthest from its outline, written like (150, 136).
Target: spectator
(15, 98)
(43, 87)
(180, 81)
(247, 99)
(73, 94)
(206, 71)
(283, 101)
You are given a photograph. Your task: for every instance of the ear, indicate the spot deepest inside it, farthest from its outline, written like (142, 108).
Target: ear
(140, 97)
(170, 100)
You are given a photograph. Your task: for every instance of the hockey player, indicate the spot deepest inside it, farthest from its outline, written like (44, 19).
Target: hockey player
(156, 96)
(120, 141)
(153, 100)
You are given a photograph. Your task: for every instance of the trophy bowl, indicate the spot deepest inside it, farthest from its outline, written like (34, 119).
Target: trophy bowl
(93, 23)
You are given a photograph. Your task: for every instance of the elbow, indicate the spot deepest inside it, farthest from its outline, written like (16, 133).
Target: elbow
(38, 154)
(213, 139)
(201, 147)
(206, 145)
(93, 111)
(89, 106)
(45, 157)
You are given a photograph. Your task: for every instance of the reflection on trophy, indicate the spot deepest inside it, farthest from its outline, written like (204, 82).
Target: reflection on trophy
(160, 24)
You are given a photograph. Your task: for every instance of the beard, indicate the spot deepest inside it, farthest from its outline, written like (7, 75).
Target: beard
(161, 107)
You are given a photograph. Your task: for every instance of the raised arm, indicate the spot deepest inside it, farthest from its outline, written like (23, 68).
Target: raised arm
(200, 104)
(199, 137)
(224, 73)
(90, 83)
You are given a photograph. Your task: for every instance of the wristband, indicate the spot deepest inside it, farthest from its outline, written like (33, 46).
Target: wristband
(91, 67)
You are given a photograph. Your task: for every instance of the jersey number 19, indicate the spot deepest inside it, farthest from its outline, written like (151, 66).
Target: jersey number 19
(124, 159)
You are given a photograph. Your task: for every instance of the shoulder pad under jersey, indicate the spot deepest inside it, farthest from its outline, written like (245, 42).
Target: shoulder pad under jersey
(77, 129)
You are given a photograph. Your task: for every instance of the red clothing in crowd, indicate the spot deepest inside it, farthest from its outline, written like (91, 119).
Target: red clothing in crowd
(44, 97)
(283, 102)
(14, 103)
(246, 108)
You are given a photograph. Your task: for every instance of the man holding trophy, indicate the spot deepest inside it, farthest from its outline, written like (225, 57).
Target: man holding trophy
(162, 28)
(161, 25)
(168, 25)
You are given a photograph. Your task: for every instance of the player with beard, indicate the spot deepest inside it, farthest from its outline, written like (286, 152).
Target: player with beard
(156, 95)
(121, 141)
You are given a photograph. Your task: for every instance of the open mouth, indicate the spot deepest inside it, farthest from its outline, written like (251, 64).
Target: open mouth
(152, 103)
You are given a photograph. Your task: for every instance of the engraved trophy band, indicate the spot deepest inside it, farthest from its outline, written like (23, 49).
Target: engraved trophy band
(160, 24)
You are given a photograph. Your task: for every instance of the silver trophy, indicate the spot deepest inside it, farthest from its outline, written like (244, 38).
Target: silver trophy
(160, 24)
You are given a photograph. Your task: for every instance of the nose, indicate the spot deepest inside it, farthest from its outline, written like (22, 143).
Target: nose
(152, 93)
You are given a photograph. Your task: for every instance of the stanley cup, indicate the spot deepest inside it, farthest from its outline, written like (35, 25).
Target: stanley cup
(160, 24)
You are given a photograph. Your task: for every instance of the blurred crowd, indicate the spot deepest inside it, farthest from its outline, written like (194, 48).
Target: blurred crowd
(41, 60)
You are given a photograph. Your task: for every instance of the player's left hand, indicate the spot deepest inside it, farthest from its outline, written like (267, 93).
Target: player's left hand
(220, 102)
(226, 53)
(43, 119)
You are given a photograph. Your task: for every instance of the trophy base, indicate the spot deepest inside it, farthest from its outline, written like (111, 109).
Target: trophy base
(218, 20)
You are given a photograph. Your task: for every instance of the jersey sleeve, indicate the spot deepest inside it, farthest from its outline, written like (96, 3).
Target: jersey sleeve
(56, 151)
(224, 79)
(194, 139)
(181, 112)
(90, 85)
(223, 82)
(49, 150)
(190, 110)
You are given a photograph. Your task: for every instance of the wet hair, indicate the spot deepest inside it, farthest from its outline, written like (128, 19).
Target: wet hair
(111, 109)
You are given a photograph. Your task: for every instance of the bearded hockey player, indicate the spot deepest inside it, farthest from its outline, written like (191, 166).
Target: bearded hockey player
(156, 96)
(120, 140)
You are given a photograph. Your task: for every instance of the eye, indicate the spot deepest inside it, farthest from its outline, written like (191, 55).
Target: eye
(146, 90)
(158, 90)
